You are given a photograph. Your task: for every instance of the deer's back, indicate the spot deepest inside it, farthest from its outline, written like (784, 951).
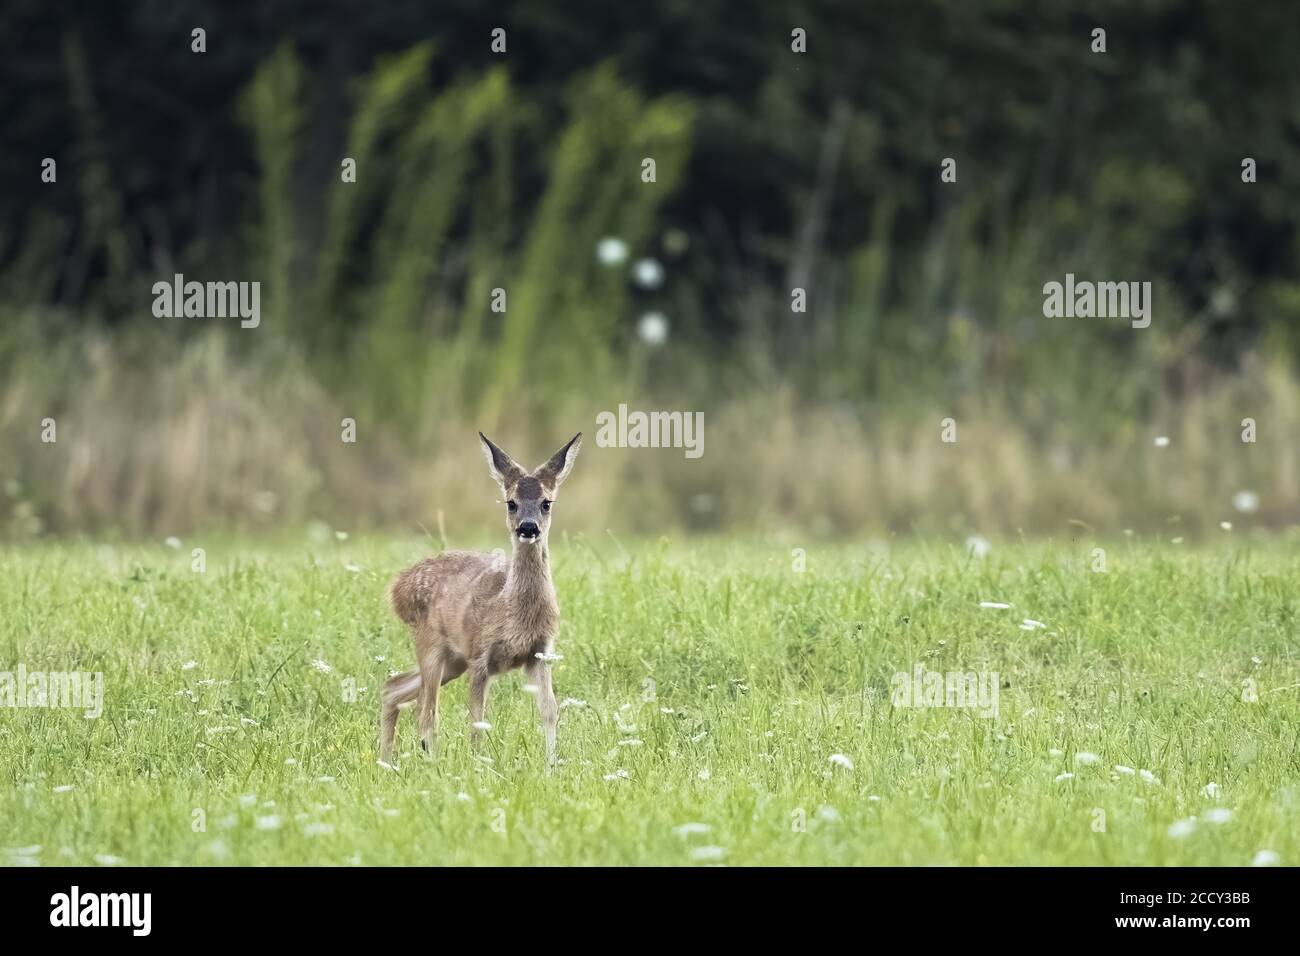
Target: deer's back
(452, 580)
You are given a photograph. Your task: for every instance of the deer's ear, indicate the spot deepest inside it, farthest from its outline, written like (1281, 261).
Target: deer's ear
(561, 463)
(502, 466)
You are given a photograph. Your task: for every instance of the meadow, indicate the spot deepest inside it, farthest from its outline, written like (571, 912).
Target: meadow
(725, 700)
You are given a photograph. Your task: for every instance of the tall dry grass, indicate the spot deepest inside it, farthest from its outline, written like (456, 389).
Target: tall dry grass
(164, 438)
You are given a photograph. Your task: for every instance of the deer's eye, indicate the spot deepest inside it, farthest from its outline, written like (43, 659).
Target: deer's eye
(546, 505)
(512, 507)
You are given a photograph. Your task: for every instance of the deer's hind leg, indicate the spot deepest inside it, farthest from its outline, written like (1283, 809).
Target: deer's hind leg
(431, 653)
(397, 691)
(452, 667)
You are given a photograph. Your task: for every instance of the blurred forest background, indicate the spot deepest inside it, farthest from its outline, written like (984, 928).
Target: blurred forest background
(775, 170)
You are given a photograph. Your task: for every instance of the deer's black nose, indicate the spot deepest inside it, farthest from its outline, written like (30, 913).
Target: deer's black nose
(528, 529)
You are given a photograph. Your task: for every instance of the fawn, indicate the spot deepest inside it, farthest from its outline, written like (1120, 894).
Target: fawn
(473, 612)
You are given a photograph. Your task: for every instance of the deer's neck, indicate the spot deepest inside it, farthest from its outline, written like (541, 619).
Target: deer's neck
(529, 593)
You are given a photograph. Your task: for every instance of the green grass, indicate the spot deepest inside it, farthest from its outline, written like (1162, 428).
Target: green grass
(759, 675)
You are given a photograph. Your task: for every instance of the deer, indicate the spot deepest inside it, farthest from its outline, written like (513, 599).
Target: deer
(477, 613)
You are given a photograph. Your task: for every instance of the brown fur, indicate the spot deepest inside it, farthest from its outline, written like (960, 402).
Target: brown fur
(481, 614)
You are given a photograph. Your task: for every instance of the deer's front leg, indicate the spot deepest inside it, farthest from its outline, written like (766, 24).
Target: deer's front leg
(478, 691)
(539, 674)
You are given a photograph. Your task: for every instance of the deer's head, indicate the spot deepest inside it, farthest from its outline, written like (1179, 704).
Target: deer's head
(530, 496)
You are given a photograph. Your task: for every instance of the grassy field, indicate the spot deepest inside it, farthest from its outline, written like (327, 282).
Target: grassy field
(708, 687)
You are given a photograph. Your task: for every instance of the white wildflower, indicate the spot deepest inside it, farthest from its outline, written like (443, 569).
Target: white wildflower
(652, 328)
(1247, 502)
(611, 251)
(828, 814)
(648, 274)
(691, 829)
